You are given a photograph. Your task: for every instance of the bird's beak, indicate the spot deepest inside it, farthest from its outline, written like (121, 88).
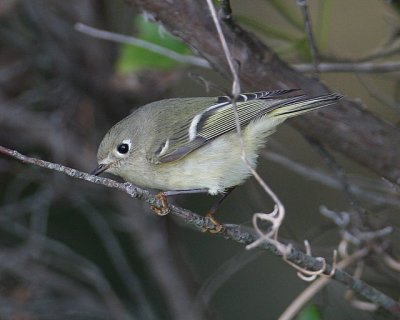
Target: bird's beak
(100, 168)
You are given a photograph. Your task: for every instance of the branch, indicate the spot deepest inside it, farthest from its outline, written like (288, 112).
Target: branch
(303, 298)
(347, 127)
(365, 67)
(308, 30)
(323, 67)
(230, 231)
(120, 38)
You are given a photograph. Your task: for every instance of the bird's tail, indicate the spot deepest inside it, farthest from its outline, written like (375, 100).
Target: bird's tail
(298, 105)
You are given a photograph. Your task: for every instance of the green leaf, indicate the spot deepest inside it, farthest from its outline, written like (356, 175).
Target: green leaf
(133, 58)
(310, 312)
(302, 48)
(324, 24)
(298, 49)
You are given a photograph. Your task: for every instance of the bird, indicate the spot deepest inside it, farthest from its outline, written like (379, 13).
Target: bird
(191, 145)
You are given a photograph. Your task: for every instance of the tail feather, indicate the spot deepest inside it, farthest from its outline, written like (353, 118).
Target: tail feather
(299, 105)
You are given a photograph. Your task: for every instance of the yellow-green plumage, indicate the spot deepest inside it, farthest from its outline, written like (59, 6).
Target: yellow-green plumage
(191, 143)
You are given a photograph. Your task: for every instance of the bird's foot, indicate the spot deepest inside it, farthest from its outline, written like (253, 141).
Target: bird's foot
(217, 227)
(163, 208)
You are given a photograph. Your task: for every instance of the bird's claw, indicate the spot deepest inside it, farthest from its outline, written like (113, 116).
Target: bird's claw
(217, 226)
(162, 209)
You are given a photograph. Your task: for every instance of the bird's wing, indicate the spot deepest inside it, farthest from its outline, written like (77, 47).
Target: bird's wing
(219, 118)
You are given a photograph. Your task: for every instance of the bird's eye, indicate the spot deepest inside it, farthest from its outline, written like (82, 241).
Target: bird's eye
(123, 148)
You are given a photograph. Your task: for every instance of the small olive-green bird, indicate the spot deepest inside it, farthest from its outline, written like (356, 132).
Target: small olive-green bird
(188, 145)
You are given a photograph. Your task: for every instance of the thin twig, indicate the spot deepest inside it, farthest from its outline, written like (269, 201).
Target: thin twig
(117, 257)
(225, 272)
(378, 94)
(359, 186)
(59, 257)
(365, 67)
(391, 262)
(236, 82)
(207, 84)
(302, 299)
(279, 209)
(350, 296)
(308, 30)
(120, 38)
(284, 10)
(340, 174)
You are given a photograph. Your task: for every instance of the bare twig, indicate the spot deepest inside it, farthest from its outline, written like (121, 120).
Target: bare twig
(207, 84)
(370, 189)
(349, 295)
(56, 254)
(308, 30)
(337, 169)
(284, 10)
(230, 231)
(302, 299)
(306, 275)
(236, 82)
(341, 219)
(156, 249)
(224, 273)
(120, 38)
(277, 215)
(128, 277)
(365, 67)
(377, 94)
(391, 262)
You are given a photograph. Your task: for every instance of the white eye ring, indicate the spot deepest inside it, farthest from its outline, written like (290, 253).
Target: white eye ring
(124, 147)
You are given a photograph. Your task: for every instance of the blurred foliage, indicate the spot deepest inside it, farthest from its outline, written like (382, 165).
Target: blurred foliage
(133, 58)
(286, 11)
(292, 44)
(294, 41)
(310, 312)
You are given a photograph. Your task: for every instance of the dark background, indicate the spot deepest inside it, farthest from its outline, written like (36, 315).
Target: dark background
(73, 250)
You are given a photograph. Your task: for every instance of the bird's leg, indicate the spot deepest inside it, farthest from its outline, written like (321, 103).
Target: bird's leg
(162, 197)
(210, 214)
(164, 209)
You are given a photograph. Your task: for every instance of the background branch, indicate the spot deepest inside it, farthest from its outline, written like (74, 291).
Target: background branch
(362, 67)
